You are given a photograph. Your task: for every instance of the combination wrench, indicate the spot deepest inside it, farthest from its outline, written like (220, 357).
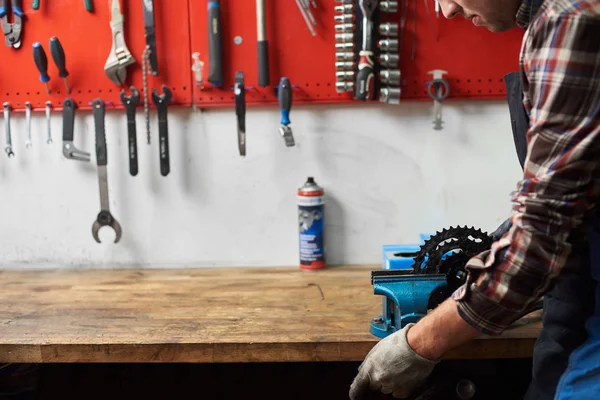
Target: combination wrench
(28, 121)
(131, 103)
(162, 102)
(104, 218)
(8, 148)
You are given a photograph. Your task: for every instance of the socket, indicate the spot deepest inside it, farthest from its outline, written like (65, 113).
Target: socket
(342, 87)
(390, 76)
(342, 47)
(344, 37)
(389, 45)
(344, 75)
(390, 6)
(389, 60)
(390, 95)
(389, 29)
(345, 65)
(344, 18)
(346, 9)
(342, 28)
(347, 56)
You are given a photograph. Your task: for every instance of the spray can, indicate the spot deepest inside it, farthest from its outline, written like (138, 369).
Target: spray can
(311, 218)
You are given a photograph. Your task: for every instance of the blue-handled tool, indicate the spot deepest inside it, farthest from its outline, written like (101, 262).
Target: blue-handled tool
(285, 105)
(41, 62)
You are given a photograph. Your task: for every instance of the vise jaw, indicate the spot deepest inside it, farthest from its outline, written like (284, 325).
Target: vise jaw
(407, 297)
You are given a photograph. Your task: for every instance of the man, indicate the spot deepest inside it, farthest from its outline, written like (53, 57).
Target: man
(545, 249)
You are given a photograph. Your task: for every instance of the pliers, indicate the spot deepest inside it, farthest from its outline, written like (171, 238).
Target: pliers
(12, 32)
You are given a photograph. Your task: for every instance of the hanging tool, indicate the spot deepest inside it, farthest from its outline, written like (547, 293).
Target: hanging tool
(8, 148)
(131, 103)
(438, 89)
(28, 122)
(263, 44)
(162, 103)
(309, 18)
(119, 57)
(215, 44)
(36, 4)
(150, 34)
(48, 122)
(145, 68)
(197, 67)
(365, 78)
(285, 105)
(12, 32)
(58, 55)
(239, 91)
(104, 217)
(69, 150)
(88, 5)
(41, 62)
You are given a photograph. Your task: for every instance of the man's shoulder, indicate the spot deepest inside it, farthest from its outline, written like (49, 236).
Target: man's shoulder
(554, 9)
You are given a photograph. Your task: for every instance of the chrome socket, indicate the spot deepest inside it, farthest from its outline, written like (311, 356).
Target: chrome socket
(345, 65)
(344, 18)
(344, 37)
(347, 56)
(390, 45)
(389, 95)
(389, 29)
(342, 47)
(346, 8)
(344, 28)
(344, 75)
(390, 6)
(390, 76)
(344, 1)
(342, 87)
(389, 60)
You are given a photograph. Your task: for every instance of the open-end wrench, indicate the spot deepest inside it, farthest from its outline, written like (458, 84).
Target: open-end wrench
(8, 147)
(239, 91)
(48, 122)
(131, 103)
(69, 149)
(28, 122)
(162, 102)
(104, 218)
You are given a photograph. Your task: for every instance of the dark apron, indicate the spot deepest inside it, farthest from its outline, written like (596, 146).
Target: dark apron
(570, 303)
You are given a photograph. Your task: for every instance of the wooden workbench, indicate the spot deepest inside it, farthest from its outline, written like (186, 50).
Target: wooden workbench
(204, 315)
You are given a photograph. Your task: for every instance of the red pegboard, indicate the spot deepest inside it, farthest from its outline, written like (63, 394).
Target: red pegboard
(476, 59)
(87, 39)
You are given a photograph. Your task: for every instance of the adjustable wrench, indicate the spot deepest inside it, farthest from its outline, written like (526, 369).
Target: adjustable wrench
(104, 218)
(69, 149)
(8, 147)
(162, 102)
(120, 57)
(131, 103)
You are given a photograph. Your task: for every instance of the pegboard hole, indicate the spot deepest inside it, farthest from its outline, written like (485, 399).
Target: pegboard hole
(490, 91)
(79, 92)
(468, 81)
(318, 95)
(490, 80)
(478, 80)
(17, 93)
(8, 94)
(264, 97)
(328, 83)
(109, 90)
(307, 85)
(329, 95)
(415, 92)
(478, 91)
(89, 91)
(231, 98)
(58, 92)
(18, 104)
(39, 103)
(27, 93)
(79, 102)
(37, 93)
(184, 88)
(210, 98)
(100, 91)
(468, 91)
(415, 82)
(59, 103)
(458, 81)
(318, 84)
(501, 90)
(173, 89)
(222, 98)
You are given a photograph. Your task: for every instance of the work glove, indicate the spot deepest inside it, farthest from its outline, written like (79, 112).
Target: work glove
(392, 367)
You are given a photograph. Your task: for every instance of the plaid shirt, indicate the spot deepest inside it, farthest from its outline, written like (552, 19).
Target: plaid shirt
(554, 202)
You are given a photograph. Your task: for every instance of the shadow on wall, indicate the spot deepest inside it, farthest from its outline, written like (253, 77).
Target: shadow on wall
(336, 234)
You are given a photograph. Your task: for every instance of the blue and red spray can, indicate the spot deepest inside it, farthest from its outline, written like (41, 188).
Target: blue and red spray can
(311, 219)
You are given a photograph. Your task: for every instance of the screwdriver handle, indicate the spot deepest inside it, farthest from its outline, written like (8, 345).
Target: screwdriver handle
(365, 78)
(58, 55)
(41, 61)
(285, 100)
(36, 4)
(88, 5)
(215, 49)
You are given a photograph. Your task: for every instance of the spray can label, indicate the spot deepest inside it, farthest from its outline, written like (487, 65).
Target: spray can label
(311, 219)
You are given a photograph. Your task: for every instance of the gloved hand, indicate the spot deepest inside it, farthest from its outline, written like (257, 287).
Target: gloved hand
(392, 367)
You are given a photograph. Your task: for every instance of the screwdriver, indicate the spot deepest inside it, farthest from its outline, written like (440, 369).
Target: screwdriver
(58, 55)
(41, 62)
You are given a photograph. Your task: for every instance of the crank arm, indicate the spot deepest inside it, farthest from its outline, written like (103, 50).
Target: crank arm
(69, 149)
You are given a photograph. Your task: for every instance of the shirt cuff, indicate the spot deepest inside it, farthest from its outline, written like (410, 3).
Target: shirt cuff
(482, 313)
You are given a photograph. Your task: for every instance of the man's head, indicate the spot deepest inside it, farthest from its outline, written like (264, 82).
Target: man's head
(495, 15)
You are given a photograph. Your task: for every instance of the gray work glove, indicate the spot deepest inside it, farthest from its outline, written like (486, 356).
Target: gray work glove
(392, 367)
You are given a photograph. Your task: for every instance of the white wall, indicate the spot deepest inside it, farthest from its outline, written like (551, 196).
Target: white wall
(387, 173)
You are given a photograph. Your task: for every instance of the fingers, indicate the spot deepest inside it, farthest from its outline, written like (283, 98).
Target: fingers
(360, 386)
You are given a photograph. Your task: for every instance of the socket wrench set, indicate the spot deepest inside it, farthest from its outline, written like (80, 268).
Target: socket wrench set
(368, 49)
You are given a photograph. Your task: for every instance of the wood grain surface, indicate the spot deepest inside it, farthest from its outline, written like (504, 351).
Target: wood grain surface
(204, 315)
